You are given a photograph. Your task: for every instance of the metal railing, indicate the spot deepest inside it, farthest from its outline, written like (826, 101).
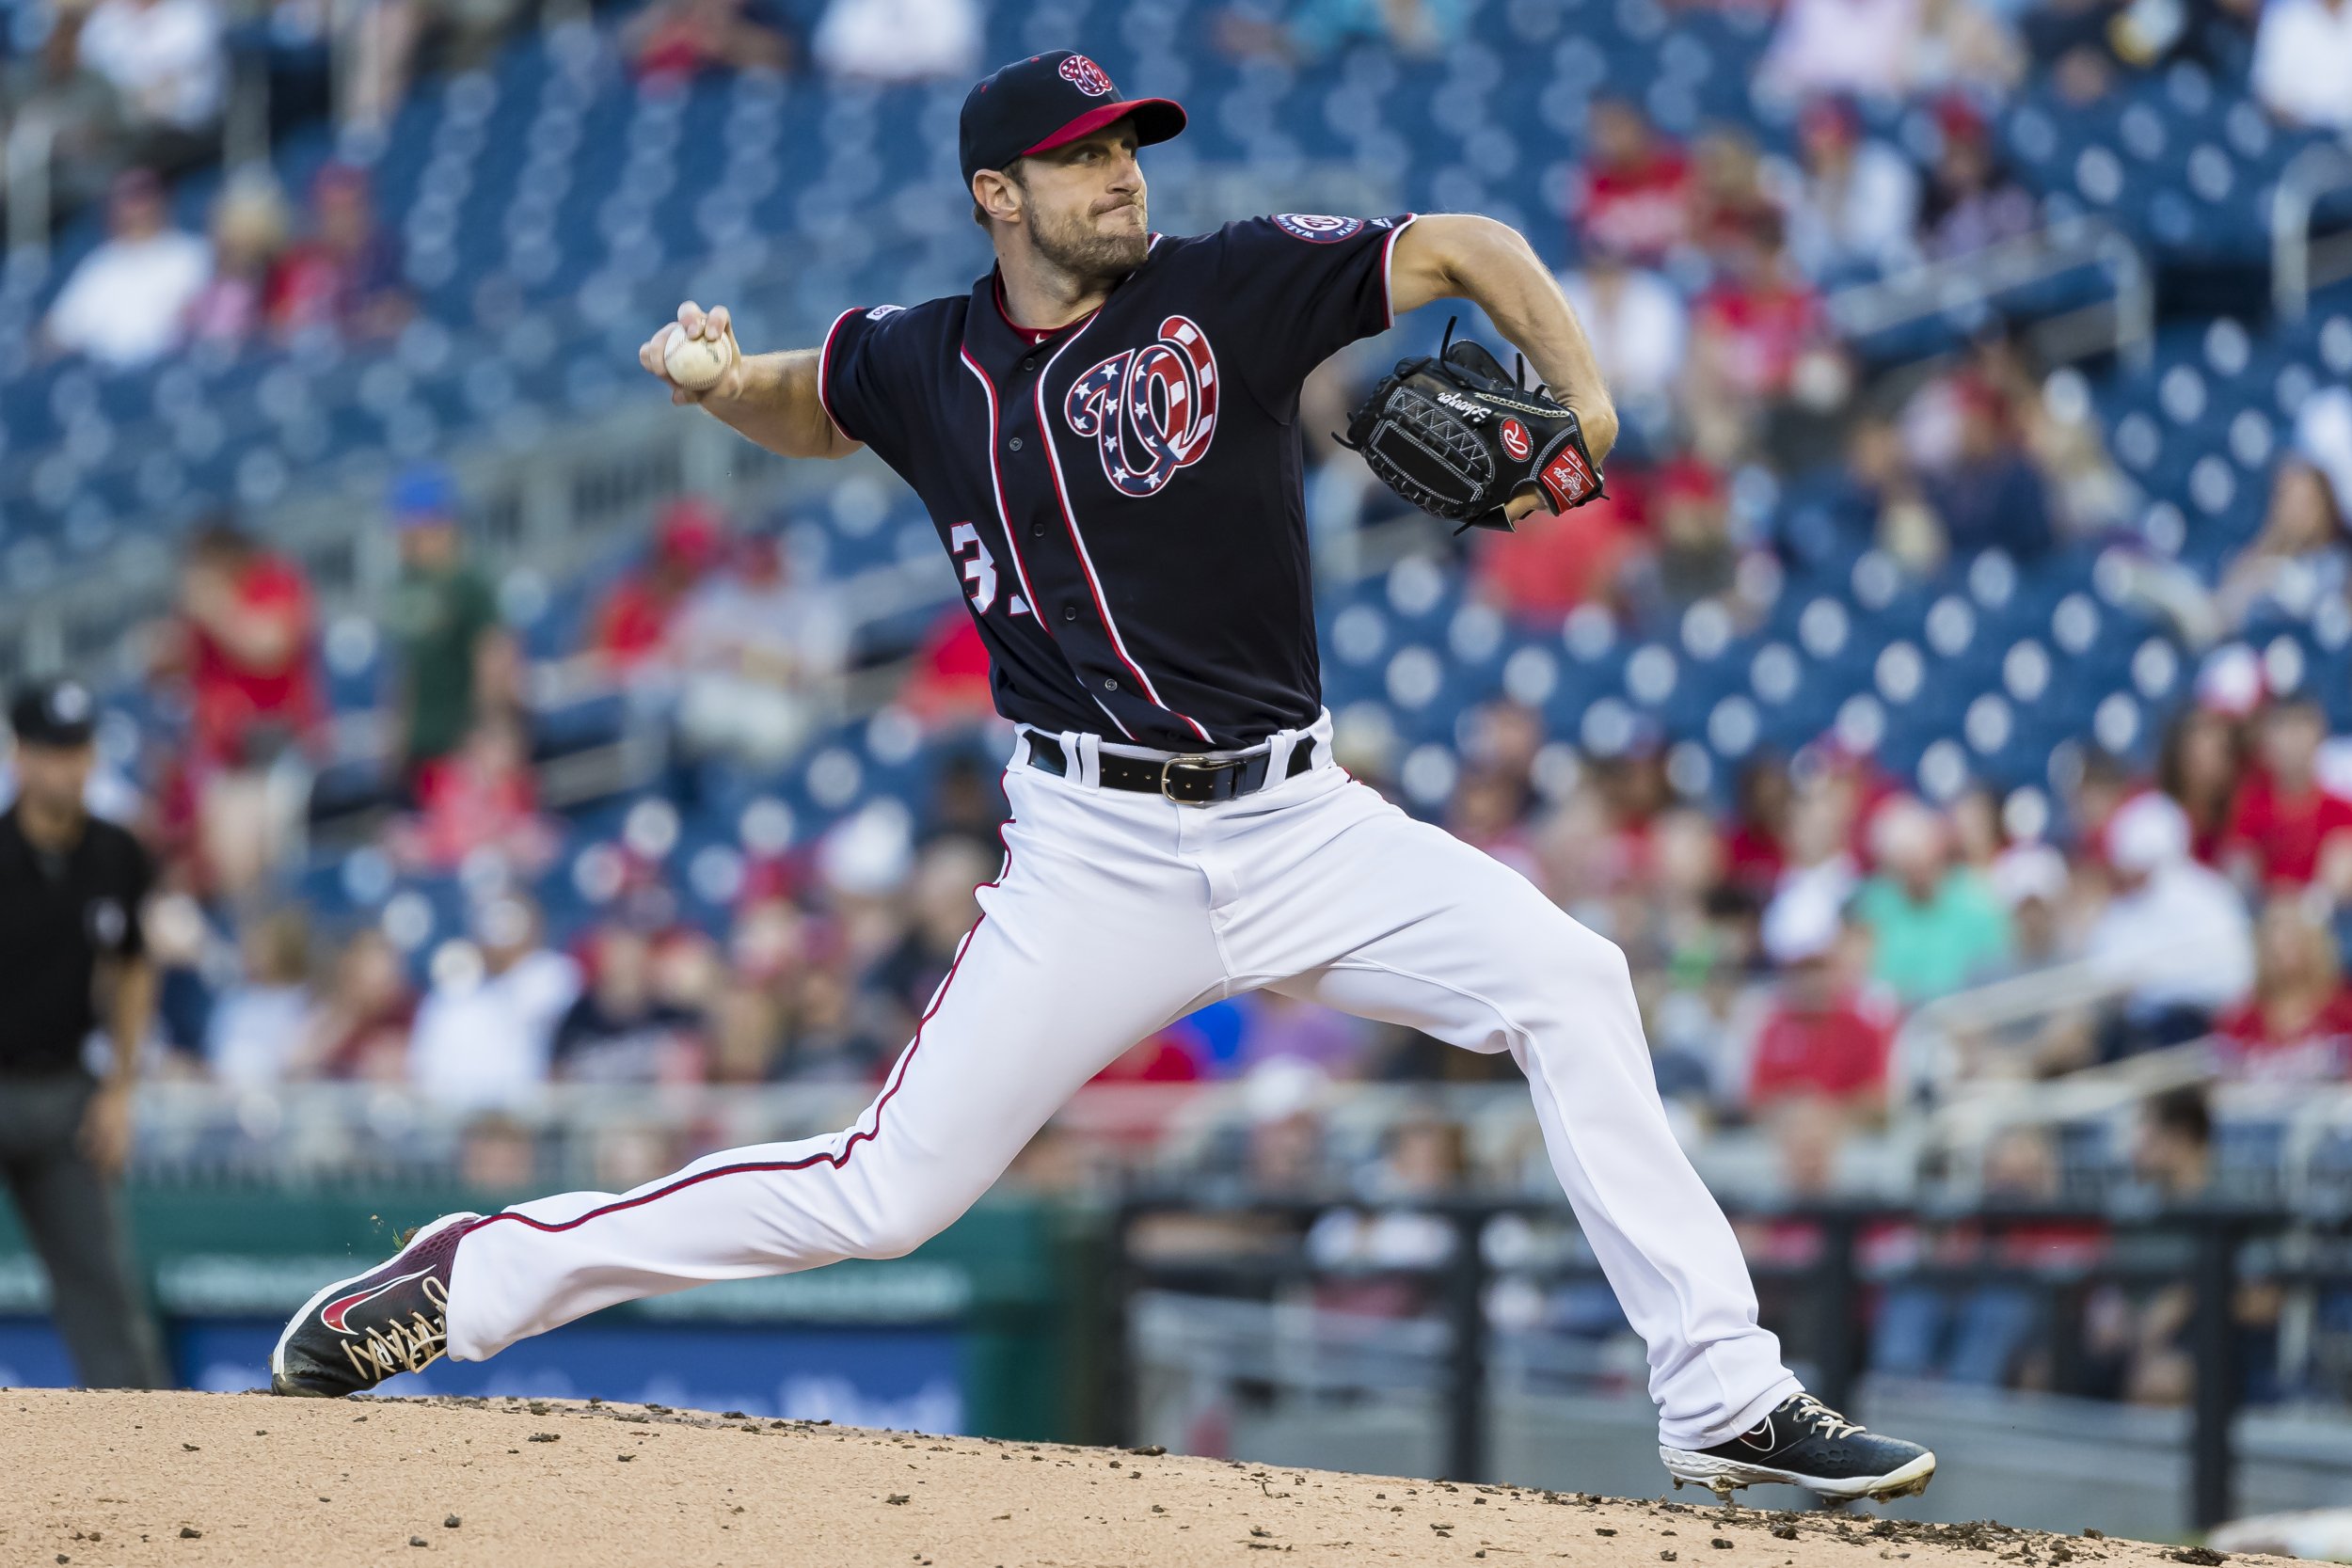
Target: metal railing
(2125, 322)
(30, 143)
(1821, 1313)
(2299, 263)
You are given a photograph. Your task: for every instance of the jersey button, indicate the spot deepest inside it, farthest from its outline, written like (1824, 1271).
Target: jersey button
(1069, 612)
(1110, 685)
(1014, 444)
(1037, 531)
(1030, 364)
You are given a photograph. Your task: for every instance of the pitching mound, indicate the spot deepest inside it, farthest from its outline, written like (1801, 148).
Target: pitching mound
(248, 1480)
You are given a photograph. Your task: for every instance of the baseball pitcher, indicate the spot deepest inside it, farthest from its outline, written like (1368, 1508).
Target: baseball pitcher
(1105, 432)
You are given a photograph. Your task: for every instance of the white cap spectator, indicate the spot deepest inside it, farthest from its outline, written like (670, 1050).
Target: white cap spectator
(1905, 830)
(2030, 872)
(2303, 62)
(2147, 833)
(1801, 924)
(1280, 1087)
(2231, 681)
(870, 855)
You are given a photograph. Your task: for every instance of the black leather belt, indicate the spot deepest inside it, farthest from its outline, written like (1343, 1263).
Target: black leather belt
(1186, 781)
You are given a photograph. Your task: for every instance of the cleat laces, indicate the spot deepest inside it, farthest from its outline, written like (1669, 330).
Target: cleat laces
(408, 1346)
(1823, 1419)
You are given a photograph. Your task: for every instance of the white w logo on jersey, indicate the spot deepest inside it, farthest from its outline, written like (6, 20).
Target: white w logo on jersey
(1151, 410)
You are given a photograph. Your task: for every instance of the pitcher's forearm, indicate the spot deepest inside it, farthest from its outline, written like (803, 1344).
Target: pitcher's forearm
(776, 405)
(772, 399)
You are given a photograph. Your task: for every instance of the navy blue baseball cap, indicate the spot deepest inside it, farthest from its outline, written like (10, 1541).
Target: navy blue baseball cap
(53, 713)
(1036, 104)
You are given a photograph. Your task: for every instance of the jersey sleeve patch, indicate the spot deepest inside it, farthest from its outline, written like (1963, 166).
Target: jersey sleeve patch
(1317, 228)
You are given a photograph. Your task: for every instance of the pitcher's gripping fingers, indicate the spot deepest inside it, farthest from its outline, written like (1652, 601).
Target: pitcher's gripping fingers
(716, 324)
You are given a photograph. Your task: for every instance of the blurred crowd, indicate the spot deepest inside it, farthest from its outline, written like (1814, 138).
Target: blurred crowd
(1778, 943)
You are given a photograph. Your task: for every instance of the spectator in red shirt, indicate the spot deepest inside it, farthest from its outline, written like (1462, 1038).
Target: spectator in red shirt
(1822, 1041)
(948, 685)
(1550, 566)
(1756, 849)
(1636, 197)
(346, 276)
(2296, 1027)
(1761, 315)
(481, 797)
(246, 627)
(676, 41)
(2285, 829)
(632, 624)
(1752, 331)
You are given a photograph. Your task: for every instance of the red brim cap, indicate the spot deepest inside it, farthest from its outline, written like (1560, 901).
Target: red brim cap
(1156, 121)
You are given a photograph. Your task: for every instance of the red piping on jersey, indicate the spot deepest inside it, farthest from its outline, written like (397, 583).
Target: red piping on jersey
(1070, 521)
(1012, 540)
(824, 357)
(1388, 266)
(849, 1145)
(997, 483)
(1032, 335)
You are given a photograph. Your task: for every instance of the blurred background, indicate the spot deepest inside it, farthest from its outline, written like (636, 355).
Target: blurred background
(1946, 712)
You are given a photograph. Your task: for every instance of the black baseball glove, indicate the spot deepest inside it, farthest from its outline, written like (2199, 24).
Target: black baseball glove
(1458, 438)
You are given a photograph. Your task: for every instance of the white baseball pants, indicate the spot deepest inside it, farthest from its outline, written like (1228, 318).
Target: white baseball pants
(1117, 913)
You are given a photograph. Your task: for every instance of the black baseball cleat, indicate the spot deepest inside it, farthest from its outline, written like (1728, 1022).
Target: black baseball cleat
(1804, 1443)
(358, 1332)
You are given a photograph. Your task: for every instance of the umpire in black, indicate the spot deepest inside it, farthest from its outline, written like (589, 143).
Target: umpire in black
(71, 955)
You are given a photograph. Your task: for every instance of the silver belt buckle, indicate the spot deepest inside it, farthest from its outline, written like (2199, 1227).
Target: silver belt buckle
(1168, 771)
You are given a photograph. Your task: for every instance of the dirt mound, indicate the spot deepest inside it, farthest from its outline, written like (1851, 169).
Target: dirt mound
(244, 1478)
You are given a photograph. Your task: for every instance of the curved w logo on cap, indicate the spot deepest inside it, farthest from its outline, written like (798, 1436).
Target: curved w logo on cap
(1086, 77)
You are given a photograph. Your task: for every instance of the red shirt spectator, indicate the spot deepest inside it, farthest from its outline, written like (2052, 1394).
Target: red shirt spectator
(478, 796)
(950, 682)
(632, 624)
(346, 276)
(2282, 832)
(1836, 1051)
(1759, 327)
(1636, 197)
(1550, 565)
(248, 624)
(2284, 827)
(2271, 1044)
(2296, 1026)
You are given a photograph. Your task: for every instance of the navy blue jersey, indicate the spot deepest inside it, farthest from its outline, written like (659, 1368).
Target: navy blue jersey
(1123, 499)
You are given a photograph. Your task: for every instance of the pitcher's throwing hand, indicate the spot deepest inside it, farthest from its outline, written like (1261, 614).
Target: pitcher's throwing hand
(695, 356)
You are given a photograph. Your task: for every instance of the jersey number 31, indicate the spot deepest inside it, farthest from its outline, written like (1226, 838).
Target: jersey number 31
(980, 569)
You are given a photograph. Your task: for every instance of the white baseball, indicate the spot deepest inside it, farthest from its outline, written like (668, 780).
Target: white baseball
(696, 363)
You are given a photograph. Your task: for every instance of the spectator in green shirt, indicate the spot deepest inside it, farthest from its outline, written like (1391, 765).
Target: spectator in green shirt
(1935, 928)
(457, 661)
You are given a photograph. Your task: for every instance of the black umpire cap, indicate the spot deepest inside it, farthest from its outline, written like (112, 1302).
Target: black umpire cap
(55, 713)
(1040, 103)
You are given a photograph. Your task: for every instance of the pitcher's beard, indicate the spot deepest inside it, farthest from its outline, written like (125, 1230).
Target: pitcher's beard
(1083, 253)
